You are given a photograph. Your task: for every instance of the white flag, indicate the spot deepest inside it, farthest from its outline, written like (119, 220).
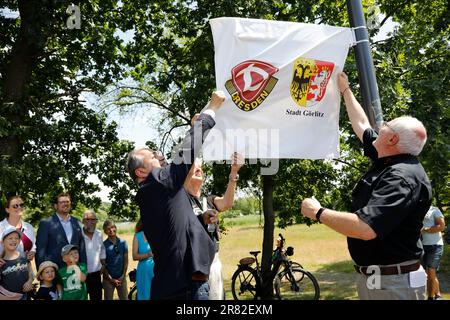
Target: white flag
(280, 82)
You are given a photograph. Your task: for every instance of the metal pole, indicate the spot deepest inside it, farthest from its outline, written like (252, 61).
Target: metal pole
(366, 71)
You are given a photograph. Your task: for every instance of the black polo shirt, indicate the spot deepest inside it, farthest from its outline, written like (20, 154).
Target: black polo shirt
(392, 198)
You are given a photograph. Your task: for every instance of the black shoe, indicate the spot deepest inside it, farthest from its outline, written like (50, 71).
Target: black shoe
(437, 297)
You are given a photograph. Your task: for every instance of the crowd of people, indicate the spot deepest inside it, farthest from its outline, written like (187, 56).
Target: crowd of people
(176, 242)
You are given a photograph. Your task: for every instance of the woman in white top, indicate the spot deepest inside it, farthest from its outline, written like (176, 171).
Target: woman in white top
(14, 209)
(433, 247)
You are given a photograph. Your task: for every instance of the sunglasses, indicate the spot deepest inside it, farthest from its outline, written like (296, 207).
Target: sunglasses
(18, 205)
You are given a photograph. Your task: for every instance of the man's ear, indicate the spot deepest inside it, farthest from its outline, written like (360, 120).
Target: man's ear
(394, 139)
(55, 206)
(138, 172)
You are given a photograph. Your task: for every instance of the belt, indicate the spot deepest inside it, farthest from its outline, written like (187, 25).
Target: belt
(387, 271)
(199, 277)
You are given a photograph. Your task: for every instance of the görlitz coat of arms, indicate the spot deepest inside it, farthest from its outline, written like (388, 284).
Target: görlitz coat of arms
(310, 80)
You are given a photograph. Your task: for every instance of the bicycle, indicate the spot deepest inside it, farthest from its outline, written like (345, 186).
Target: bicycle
(292, 282)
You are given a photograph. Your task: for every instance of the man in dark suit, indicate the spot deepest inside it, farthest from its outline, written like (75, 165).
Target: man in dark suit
(57, 231)
(183, 251)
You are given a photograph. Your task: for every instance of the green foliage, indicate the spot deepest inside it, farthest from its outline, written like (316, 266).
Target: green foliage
(168, 63)
(60, 139)
(247, 206)
(175, 73)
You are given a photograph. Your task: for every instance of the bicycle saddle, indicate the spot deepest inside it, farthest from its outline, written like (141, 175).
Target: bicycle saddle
(254, 253)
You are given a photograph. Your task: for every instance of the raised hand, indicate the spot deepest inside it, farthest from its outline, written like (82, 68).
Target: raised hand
(237, 161)
(217, 98)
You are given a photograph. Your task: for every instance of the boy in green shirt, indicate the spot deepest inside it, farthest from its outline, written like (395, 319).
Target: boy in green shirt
(73, 277)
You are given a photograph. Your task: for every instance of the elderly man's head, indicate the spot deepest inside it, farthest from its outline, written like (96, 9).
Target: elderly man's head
(142, 161)
(89, 221)
(401, 135)
(194, 180)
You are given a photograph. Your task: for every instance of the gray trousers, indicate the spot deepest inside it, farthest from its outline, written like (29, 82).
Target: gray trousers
(122, 291)
(392, 287)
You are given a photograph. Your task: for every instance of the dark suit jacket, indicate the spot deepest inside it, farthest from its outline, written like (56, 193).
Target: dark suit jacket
(51, 238)
(179, 242)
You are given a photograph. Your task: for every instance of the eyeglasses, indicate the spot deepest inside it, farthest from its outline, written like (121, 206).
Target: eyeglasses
(66, 201)
(90, 220)
(116, 248)
(385, 123)
(18, 205)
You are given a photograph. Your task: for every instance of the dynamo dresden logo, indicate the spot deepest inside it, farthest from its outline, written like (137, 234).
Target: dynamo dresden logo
(310, 80)
(251, 83)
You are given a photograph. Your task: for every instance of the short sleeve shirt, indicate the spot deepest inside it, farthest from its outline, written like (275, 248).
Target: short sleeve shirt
(392, 198)
(434, 238)
(72, 287)
(14, 274)
(115, 257)
(47, 293)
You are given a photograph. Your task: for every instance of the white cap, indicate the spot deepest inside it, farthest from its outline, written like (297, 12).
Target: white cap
(9, 230)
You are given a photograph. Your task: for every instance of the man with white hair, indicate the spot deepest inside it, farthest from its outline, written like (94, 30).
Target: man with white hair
(95, 253)
(183, 251)
(388, 206)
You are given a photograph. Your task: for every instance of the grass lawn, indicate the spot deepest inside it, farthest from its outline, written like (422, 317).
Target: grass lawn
(318, 248)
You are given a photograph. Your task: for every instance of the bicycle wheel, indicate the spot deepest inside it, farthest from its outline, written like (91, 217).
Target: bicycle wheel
(296, 265)
(244, 283)
(132, 295)
(296, 285)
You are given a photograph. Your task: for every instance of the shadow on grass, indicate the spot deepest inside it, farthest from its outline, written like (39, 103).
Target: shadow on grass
(337, 281)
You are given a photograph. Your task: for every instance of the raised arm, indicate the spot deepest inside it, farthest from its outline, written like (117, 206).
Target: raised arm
(190, 148)
(355, 112)
(226, 201)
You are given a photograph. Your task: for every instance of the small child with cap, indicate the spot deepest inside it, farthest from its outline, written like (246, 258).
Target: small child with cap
(73, 276)
(46, 274)
(16, 274)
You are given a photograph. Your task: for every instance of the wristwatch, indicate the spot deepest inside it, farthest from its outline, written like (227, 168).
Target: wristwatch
(319, 213)
(235, 178)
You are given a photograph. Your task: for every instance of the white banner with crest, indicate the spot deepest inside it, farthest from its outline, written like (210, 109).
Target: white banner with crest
(280, 82)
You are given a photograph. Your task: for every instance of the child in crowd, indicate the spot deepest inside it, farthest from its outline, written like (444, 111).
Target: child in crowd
(116, 263)
(46, 274)
(16, 274)
(73, 276)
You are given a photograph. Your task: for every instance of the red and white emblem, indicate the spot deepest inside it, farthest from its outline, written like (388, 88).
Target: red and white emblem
(251, 77)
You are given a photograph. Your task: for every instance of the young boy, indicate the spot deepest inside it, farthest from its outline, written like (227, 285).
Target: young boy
(16, 274)
(116, 263)
(73, 276)
(48, 289)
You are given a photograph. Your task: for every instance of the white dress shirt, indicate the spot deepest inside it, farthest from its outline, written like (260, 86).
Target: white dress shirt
(67, 226)
(95, 250)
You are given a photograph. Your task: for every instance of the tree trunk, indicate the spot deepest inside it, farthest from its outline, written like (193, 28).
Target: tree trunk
(21, 61)
(269, 226)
